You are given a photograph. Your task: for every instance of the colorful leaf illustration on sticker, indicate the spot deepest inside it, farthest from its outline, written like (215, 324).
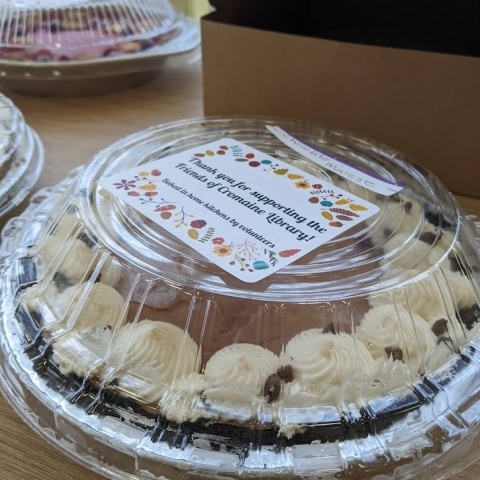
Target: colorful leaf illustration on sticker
(342, 211)
(210, 153)
(336, 224)
(192, 233)
(327, 215)
(156, 172)
(281, 171)
(358, 208)
(241, 160)
(148, 188)
(343, 201)
(344, 218)
(165, 215)
(165, 208)
(313, 200)
(254, 164)
(260, 265)
(294, 176)
(288, 253)
(199, 155)
(326, 203)
(198, 223)
(133, 194)
(151, 194)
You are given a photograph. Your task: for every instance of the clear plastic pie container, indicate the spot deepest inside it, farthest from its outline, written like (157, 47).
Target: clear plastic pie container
(21, 156)
(134, 354)
(73, 44)
(12, 127)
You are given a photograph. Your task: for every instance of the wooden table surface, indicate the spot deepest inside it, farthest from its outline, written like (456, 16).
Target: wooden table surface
(72, 131)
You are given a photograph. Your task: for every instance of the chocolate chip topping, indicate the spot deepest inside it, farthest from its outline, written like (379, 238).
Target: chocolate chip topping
(437, 220)
(61, 282)
(408, 207)
(456, 265)
(330, 328)
(440, 327)
(272, 387)
(428, 237)
(433, 218)
(470, 316)
(87, 240)
(387, 233)
(394, 352)
(367, 242)
(285, 373)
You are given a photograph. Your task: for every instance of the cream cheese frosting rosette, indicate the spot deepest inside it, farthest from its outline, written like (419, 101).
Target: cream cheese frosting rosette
(425, 295)
(147, 356)
(79, 352)
(182, 402)
(111, 272)
(237, 377)
(81, 337)
(323, 364)
(390, 331)
(78, 307)
(437, 295)
(234, 376)
(82, 307)
(461, 288)
(401, 216)
(242, 365)
(74, 257)
(411, 252)
(66, 225)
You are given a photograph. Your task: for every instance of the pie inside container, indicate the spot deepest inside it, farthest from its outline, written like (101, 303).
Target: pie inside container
(21, 156)
(84, 47)
(137, 356)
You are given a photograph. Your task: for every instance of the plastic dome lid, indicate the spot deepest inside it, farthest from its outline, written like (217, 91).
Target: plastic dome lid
(66, 30)
(11, 130)
(153, 353)
(21, 156)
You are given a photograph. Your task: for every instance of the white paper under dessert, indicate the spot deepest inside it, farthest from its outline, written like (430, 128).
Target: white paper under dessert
(249, 213)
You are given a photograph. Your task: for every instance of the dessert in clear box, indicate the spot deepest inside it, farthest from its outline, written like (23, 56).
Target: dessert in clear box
(11, 131)
(68, 40)
(136, 355)
(21, 156)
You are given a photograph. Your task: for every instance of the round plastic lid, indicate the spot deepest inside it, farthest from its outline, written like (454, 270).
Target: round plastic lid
(142, 357)
(21, 156)
(11, 131)
(83, 31)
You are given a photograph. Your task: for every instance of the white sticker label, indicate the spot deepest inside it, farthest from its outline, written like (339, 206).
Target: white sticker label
(247, 212)
(339, 167)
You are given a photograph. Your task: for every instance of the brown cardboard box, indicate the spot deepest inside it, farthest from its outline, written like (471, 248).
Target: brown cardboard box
(417, 95)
